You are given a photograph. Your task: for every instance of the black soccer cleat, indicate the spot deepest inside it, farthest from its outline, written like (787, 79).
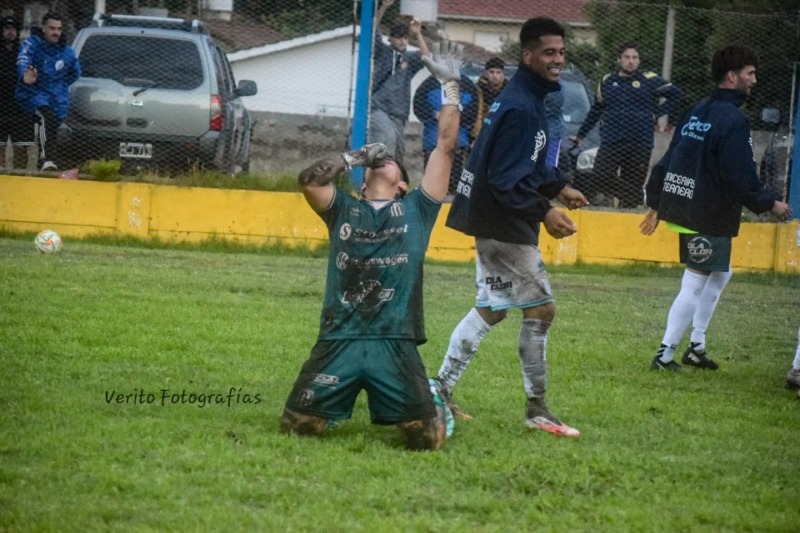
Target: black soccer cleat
(671, 365)
(691, 357)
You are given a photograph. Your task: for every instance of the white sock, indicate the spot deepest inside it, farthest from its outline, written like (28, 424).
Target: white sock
(796, 363)
(681, 313)
(464, 342)
(706, 304)
(533, 356)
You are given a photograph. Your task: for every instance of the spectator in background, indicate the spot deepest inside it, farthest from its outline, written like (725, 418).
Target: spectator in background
(491, 82)
(394, 67)
(14, 123)
(46, 67)
(428, 105)
(628, 102)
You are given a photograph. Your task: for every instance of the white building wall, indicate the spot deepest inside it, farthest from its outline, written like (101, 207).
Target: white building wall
(312, 79)
(307, 76)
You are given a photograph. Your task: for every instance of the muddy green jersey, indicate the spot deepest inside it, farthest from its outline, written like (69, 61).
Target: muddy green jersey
(374, 284)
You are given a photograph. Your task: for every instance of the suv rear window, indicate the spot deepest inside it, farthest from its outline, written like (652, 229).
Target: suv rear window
(143, 61)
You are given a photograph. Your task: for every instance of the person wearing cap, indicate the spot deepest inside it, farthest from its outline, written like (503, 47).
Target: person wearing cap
(46, 67)
(491, 82)
(394, 67)
(13, 122)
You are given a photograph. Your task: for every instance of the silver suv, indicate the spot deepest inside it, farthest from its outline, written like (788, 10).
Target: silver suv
(157, 92)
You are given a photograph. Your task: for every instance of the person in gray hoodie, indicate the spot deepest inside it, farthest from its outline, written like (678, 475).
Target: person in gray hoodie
(393, 68)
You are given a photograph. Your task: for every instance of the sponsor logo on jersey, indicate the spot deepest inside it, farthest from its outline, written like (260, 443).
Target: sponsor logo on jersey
(345, 231)
(368, 295)
(496, 283)
(390, 260)
(326, 380)
(700, 249)
(695, 129)
(341, 260)
(541, 139)
(361, 235)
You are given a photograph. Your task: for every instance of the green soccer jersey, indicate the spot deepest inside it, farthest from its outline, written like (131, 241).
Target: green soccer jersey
(374, 285)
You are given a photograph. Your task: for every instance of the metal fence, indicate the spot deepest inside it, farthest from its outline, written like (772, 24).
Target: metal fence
(265, 87)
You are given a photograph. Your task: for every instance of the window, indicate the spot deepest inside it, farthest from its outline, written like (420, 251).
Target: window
(139, 61)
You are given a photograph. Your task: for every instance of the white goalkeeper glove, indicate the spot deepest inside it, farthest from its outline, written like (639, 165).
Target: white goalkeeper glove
(370, 155)
(445, 63)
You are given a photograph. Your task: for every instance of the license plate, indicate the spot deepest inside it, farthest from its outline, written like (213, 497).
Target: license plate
(136, 150)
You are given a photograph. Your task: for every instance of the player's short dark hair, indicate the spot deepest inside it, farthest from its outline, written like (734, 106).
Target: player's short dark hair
(398, 30)
(627, 46)
(51, 15)
(731, 58)
(535, 28)
(495, 62)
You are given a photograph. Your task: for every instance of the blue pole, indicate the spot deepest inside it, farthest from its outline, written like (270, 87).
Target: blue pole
(363, 70)
(794, 184)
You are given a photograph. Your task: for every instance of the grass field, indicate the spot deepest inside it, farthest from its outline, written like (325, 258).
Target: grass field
(88, 335)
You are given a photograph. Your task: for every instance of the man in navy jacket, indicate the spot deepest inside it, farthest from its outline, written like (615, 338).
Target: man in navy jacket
(698, 188)
(628, 102)
(502, 197)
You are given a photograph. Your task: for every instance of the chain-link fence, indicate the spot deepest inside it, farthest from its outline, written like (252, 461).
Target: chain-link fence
(267, 86)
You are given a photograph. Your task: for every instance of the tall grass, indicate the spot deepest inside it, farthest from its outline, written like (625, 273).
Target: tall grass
(88, 334)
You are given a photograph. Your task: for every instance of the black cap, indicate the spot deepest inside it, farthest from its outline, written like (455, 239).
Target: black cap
(11, 21)
(398, 30)
(495, 62)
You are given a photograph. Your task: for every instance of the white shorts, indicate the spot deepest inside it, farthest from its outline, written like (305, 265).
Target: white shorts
(510, 275)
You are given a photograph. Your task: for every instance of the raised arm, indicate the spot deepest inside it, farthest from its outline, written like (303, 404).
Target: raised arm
(385, 5)
(446, 66)
(416, 29)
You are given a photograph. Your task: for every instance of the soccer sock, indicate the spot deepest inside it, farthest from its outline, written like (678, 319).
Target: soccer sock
(681, 313)
(706, 304)
(464, 344)
(533, 356)
(796, 363)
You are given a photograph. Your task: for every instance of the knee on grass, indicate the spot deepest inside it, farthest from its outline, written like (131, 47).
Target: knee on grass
(300, 424)
(424, 435)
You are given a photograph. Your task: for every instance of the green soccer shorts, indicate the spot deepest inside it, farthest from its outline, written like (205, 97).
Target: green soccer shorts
(705, 252)
(390, 370)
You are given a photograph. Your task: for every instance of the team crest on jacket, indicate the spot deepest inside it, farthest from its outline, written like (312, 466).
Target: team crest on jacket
(541, 139)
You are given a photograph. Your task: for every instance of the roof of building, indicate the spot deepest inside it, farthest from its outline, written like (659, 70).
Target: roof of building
(570, 11)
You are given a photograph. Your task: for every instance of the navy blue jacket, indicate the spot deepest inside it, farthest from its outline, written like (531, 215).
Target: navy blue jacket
(709, 169)
(629, 106)
(505, 190)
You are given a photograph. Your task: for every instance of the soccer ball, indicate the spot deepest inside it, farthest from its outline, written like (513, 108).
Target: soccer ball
(48, 241)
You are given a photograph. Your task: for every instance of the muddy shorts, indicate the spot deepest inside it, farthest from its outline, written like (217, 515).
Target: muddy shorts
(705, 252)
(390, 370)
(510, 275)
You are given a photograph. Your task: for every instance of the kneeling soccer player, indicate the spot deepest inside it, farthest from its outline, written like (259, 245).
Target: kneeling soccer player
(372, 315)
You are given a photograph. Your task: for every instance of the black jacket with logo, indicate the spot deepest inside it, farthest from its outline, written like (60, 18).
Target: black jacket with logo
(709, 170)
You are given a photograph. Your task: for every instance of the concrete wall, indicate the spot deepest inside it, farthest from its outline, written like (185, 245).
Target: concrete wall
(79, 208)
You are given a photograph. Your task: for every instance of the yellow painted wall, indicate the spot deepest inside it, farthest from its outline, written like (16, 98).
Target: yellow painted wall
(79, 208)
